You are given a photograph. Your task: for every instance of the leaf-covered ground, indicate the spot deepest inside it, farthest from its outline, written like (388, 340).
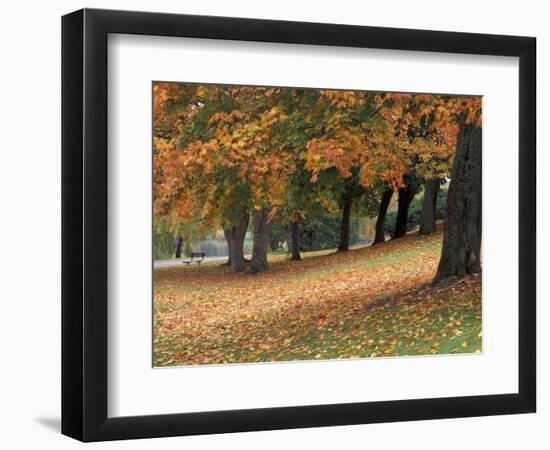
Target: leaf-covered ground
(368, 302)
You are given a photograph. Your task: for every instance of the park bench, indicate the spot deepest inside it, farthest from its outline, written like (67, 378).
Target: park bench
(196, 257)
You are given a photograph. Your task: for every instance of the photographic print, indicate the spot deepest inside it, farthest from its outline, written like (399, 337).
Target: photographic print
(301, 224)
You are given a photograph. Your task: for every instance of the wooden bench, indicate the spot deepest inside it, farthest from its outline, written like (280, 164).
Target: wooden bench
(196, 257)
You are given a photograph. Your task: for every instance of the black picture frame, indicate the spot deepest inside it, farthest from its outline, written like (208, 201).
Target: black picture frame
(84, 224)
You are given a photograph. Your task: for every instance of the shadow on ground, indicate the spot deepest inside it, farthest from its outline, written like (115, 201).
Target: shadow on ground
(52, 423)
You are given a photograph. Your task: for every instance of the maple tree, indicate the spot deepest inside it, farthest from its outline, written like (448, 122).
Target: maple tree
(221, 162)
(226, 154)
(434, 146)
(395, 141)
(430, 136)
(357, 146)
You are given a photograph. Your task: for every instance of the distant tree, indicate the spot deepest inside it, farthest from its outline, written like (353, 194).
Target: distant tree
(179, 246)
(405, 196)
(380, 231)
(431, 189)
(414, 220)
(295, 241)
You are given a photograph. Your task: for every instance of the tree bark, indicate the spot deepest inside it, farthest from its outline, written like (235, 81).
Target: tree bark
(262, 235)
(404, 200)
(380, 234)
(345, 225)
(427, 220)
(228, 238)
(179, 246)
(461, 251)
(295, 241)
(235, 234)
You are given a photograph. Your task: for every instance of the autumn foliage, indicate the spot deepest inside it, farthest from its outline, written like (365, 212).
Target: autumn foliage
(241, 159)
(277, 154)
(372, 302)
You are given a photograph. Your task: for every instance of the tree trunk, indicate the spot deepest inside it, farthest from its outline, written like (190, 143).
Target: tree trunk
(427, 220)
(235, 235)
(262, 235)
(380, 234)
(228, 238)
(461, 250)
(179, 246)
(295, 241)
(404, 200)
(344, 227)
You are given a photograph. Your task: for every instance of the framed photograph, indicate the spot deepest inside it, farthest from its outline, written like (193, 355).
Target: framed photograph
(273, 225)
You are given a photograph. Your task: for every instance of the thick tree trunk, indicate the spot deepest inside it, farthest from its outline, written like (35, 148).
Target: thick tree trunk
(404, 200)
(344, 226)
(380, 234)
(262, 235)
(427, 220)
(461, 250)
(179, 246)
(295, 241)
(235, 234)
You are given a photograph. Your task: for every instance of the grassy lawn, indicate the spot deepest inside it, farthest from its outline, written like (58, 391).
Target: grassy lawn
(368, 302)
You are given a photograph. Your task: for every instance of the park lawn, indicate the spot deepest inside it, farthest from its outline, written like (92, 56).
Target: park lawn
(367, 302)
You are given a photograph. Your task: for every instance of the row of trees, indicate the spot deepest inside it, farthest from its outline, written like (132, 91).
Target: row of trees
(224, 155)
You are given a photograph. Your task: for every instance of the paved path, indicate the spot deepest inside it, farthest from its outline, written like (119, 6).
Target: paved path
(207, 259)
(177, 262)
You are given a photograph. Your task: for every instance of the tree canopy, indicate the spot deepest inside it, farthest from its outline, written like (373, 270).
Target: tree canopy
(286, 154)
